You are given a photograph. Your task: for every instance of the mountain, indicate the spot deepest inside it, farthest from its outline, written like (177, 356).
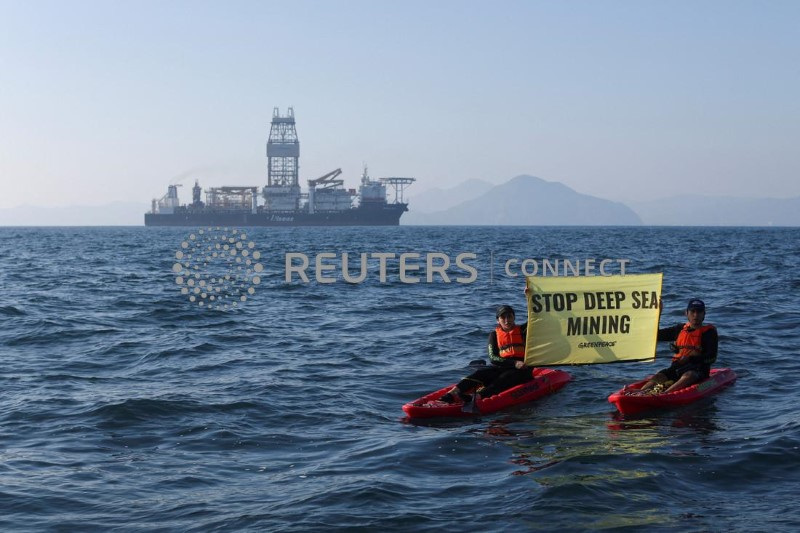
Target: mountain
(530, 201)
(437, 199)
(113, 214)
(686, 210)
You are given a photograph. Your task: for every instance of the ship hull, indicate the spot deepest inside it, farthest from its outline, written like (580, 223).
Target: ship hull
(383, 215)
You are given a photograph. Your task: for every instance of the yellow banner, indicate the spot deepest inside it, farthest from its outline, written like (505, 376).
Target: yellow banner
(594, 319)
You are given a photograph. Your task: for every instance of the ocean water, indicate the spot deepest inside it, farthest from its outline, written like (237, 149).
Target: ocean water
(124, 406)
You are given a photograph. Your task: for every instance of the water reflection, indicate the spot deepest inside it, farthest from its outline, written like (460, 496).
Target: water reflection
(540, 444)
(700, 417)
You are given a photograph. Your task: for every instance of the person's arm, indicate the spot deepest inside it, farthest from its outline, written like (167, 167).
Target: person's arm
(670, 333)
(709, 343)
(523, 329)
(494, 350)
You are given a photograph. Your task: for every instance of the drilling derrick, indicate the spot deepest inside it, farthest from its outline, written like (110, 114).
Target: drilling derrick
(283, 150)
(282, 192)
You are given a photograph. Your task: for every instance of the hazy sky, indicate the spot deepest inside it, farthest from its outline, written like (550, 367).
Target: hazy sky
(628, 100)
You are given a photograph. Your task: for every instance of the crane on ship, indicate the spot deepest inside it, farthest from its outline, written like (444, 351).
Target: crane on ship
(168, 202)
(328, 191)
(328, 180)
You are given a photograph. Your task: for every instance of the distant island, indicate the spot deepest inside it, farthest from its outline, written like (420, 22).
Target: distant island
(527, 201)
(688, 210)
(113, 214)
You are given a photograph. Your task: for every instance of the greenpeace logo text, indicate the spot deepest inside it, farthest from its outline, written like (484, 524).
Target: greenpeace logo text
(597, 344)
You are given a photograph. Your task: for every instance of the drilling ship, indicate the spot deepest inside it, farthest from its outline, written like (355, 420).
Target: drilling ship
(283, 203)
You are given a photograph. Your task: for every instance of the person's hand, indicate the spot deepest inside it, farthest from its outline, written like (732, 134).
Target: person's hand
(519, 365)
(674, 348)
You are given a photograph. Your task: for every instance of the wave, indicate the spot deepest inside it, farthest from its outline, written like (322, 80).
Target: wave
(10, 310)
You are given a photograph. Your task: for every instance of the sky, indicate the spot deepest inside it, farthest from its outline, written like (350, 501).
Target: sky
(110, 101)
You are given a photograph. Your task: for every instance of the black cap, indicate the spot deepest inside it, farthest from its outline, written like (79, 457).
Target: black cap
(697, 304)
(503, 309)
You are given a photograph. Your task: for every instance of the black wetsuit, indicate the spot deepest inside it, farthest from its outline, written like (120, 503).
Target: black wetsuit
(709, 342)
(501, 374)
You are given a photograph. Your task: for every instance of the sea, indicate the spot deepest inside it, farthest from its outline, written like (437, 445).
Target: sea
(131, 400)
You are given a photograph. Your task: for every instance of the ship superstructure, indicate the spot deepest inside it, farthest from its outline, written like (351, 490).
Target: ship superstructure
(327, 202)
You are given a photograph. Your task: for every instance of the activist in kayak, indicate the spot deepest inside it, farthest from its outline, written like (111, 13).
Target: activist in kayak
(507, 358)
(695, 347)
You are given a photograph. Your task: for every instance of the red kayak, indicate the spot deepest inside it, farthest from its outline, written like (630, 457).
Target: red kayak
(545, 381)
(629, 404)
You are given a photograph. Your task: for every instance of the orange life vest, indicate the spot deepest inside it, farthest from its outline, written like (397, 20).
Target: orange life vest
(688, 341)
(511, 343)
